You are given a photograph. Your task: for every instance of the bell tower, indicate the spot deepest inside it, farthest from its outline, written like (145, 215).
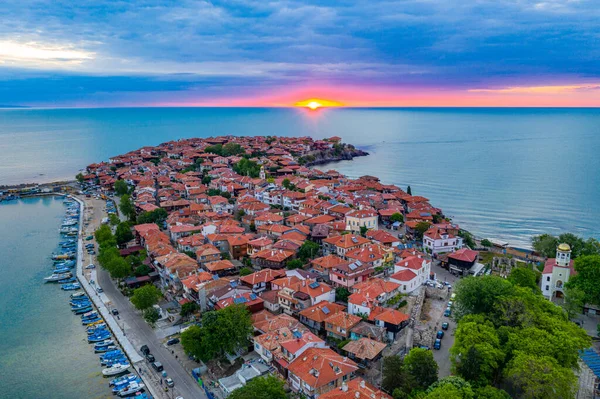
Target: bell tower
(563, 255)
(262, 172)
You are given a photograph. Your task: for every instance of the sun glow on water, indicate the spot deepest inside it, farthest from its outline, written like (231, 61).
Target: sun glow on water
(316, 103)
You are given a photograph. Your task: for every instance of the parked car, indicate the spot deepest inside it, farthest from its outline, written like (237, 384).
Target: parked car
(157, 366)
(437, 344)
(170, 382)
(445, 326)
(145, 350)
(99, 290)
(150, 357)
(440, 334)
(447, 312)
(173, 341)
(114, 312)
(424, 347)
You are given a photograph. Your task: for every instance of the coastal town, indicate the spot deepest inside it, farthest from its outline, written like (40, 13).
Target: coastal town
(246, 265)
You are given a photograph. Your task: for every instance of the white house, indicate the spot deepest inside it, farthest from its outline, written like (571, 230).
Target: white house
(438, 240)
(361, 218)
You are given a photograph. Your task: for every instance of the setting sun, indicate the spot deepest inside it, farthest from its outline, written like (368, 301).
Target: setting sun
(315, 103)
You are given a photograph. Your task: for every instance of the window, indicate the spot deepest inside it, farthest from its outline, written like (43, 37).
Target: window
(548, 278)
(547, 287)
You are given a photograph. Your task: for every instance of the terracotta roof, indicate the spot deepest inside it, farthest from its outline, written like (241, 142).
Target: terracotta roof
(392, 316)
(551, 264)
(464, 254)
(219, 265)
(356, 389)
(320, 366)
(329, 261)
(346, 241)
(321, 311)
(262, 276)
(343, 320)
(403, 275)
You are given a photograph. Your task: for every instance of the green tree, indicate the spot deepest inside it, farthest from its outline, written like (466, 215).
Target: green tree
(450, 388)
(539, 377)
(145, 297)
(545, 244)
(395, 378)
(524, 277)
(591, 247)
(408, 190)
(363, 230)
(222, 332)
(490, 392)
(79, 177)
(127, 207)
(574, 301)
(486, 243)
(151, 315)
(214, 149)
(268, 387)
(103, 234)
(475, 295)
(119, 268)
(245, 271)
(113, 219)
(396, 217)
(245, 167)
(294, 264)
(587, 277)
(157, 216)
(286, 183)
(188, 309)
(230, 149)
(421, 228)
(123, 233)
(121, 187)
(476, 345)
(467, 238)
(142, 270)
(420, 364)
(308, 250)
(342, 294)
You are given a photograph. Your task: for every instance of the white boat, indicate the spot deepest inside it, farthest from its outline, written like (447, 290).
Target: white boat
(116, 369)
(133, 387)
(56, 277)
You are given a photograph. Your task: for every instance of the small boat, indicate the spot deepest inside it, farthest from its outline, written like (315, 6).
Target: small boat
(125, 378)
(112, 354)
(98, 338)
(116, 369)
(89, 322)
(89, 316)
(124, 384)
(107, 342)
(61, 271)
(80, 304)
(70, 287)
(103, 349)
(82, 310)
(117, 360)
(132, 389)
(68, 280)
(58, 276)
(78, 295)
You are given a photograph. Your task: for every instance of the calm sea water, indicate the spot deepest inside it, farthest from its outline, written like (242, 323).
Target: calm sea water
(43, 347)
(502, 173)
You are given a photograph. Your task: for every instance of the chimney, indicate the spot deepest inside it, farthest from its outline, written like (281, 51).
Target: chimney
(344, 387)
(362, 383)
(357, 395)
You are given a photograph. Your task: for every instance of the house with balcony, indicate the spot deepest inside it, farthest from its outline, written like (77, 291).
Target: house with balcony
(261, 280)
(338, 325)
(314, 316)
(438, 240)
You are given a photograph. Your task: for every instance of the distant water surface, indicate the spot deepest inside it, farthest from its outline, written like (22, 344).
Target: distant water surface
(43, 348)
(502, 173)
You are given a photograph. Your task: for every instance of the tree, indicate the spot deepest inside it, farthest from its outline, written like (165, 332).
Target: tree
(539, 377)
(103, 234)
(230, 149)
(523, 277)
(145, 297)
(475, 295)
(151, 315)
(119, 268)
(591, 247)
(395, 377)
(545, 244)
(222, 331)
(121, 187)
(408, 190)
(113, 219)
(476, 345)
(157, 216)
(127, 207)
(142, 270)
(486, 243)
(245, 271)
(342, 294)
(268, 387)
(245, 167)
(79, 177)
(450, 388)
(188, 309)
(421, 228)
(286, 183)
(420, 364)
(308, 250)
(396, 217)
(123, 233)
(489, 392)
(587, 277)
(294, 264)
(467, 238)
(363, 230)
(574, 301)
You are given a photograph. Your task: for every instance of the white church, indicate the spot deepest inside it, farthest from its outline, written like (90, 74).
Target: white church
(557, 272)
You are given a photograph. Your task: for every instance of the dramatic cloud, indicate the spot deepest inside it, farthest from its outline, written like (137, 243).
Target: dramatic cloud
(247, 52)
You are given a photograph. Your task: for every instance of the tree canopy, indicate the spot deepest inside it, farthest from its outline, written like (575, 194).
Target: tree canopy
(546, 245)
(486, 243)
(587, 278)
(421, 366)
(246, 167)
(145, 297)
(268, 387)
(524, 277)
(396, 217)
(222, 331)
(126, 206)
(157, 216)
(121, 187)
(123, 233)
(308, 250)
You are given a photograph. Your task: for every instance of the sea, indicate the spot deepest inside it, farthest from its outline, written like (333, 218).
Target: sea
(502, 173)
(43, 347)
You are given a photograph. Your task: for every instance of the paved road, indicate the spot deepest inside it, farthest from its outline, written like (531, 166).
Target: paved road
(140, 333)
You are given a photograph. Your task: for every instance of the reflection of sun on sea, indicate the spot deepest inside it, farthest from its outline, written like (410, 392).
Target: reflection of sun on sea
(315, 103)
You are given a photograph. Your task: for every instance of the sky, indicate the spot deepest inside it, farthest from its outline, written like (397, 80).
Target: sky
(64, 53)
